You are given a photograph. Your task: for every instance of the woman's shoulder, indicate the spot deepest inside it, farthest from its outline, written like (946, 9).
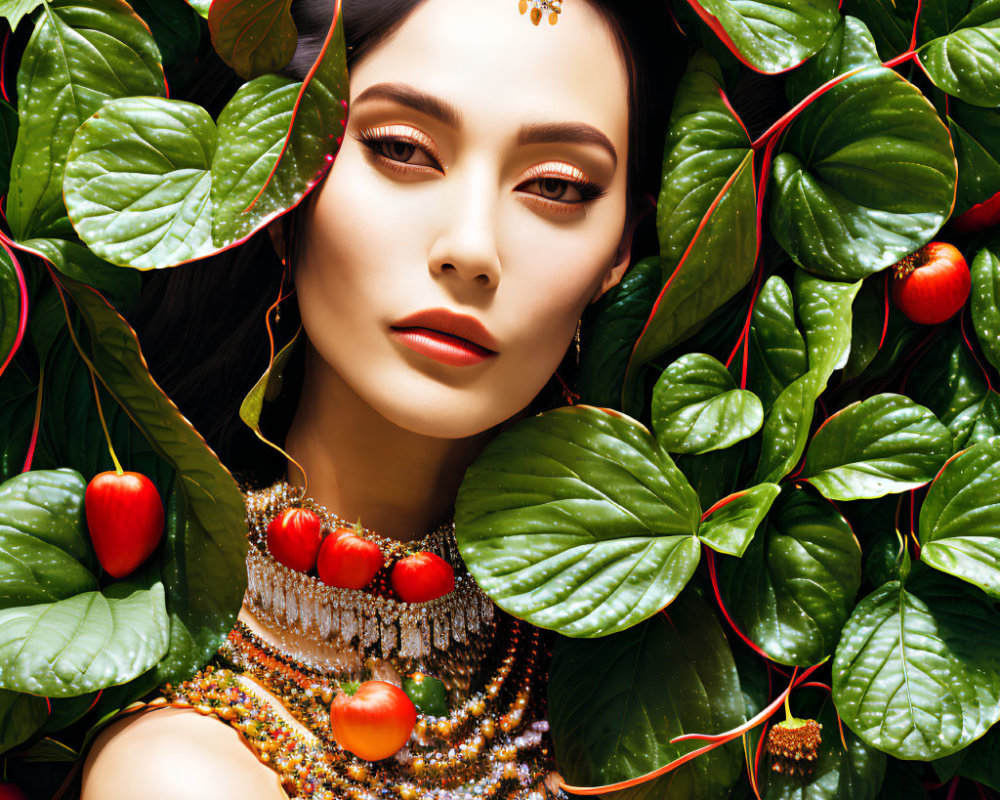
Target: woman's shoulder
(175, 754)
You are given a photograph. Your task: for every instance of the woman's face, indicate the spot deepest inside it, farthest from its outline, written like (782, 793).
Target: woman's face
(476, 207)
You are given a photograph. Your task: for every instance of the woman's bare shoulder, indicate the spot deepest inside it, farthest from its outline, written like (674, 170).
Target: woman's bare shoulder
(175, 754)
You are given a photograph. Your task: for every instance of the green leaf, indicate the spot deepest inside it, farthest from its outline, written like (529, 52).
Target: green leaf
(138, 181)
(824, 308)
(979, 762)
(614, 705)
(176, 28)
(778, 354)
(794, 587)
(253, 37)
(770, 35)
(267, 388)
(152, 182)
(851, 45)
(204, 567)
(78, 57)
(868, 323)
(850, 199)
(8, 139)
(697, 407)
(17, 413)
(917, 670)
(965, 61)
(852, 774)
(84, 642)
(10, 305)
(949, 382)
(960, 518)
(50, 751)
(610, 328)
(975, 133)
(14, 10)
(577, 520)
(21, 715)
(45, 554)
(706, 215)
(201, 6)
(72, 259)
(985, 297)
(730, 525)
(890, 31)
(883, 445)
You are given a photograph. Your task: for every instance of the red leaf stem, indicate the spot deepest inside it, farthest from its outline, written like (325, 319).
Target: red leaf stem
(22, 322)
(725, 501)
(902, 58)
(982, 368)
(952, 789)
(3, 63)
(710, 554)
(38, 418)
(885, 316)
(916, 22)
(756, 758)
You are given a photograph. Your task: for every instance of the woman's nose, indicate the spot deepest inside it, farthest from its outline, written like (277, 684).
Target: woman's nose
(467, 244)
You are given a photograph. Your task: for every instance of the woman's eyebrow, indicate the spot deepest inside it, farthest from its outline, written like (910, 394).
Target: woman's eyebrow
(447, 113)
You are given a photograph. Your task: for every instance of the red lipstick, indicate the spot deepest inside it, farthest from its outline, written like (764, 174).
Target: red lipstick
(454, 339)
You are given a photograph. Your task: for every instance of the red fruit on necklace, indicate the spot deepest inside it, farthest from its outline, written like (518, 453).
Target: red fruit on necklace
(294, 537)
(125, 518)
(373, 720)
(930, 285)
(422, 577)
(347, 560)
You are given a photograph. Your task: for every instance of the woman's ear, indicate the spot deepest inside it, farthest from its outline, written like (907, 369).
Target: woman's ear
(276, 230)
(623, 255)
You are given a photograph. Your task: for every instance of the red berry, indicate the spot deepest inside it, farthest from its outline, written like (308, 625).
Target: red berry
(125, 518)
(347, 560)
(978, 218)
(422, 577)
(294, 537)
(11, 791)
(931, 284)
(374, 721)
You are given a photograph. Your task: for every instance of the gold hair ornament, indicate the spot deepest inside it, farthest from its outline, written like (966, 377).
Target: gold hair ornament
(539, 7)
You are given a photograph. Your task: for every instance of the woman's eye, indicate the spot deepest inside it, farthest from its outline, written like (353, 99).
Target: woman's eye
(398, 150)
(560, 190)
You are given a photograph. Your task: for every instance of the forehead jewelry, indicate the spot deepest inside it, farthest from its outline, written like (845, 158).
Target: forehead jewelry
(539, 7)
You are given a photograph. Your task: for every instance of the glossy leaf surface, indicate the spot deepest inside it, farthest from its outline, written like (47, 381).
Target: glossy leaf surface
(883, 445)
(794, 588)
(732, 522)
(697, 407)
(985, 299)
(851, 45)
(770, 35)
(975, 133)
(615, 704)
(965, 60)
(15, 10)
(778, 354)
(917, 670)
(706, 214)
(78, 57)
(578, 521)
(253, 37)
(960, 518)
(850, 198)
(20, 716)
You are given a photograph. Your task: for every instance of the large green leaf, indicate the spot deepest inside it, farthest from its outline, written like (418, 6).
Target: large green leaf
(838, 774)
(851, 45)
(21, 715)
(706, 214)
(17, 412)
(578, 521)
(883, 445)
(770, 35)
(778, 354)
(45, 554)
(868, 323)
(697, 407)
(964, 59)
(153, 182)
(794, 587)
(960, 518)
(10, 305)
(949, 382)
(614, 705)
(8, 140)
(84, 642)
(980, 762)
(975, 133)
(985, 299)
(917, 670)
(14, 10)
(74, 260)
(731, 523)
(824, 307)
(850, 199)
(254, 37)
(610, 328)
(79, 56)
(883, 19)
(204, 569)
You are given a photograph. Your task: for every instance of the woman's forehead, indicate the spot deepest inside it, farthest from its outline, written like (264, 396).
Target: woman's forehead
(491, 64)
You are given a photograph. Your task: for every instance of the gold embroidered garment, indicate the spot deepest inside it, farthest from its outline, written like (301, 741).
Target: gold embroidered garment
(297, 638)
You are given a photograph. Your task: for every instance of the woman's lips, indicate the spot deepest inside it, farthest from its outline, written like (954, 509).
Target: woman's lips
(451, 350)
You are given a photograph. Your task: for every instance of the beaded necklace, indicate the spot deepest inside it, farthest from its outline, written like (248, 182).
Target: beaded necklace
(492, 744)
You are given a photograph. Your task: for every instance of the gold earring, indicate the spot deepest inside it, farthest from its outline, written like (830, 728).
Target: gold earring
(539, 6)
(576, 340)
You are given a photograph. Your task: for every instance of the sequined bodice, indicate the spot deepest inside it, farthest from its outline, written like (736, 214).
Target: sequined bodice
(298, 637)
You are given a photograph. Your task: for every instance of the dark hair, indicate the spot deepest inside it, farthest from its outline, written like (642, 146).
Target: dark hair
(202, 327)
